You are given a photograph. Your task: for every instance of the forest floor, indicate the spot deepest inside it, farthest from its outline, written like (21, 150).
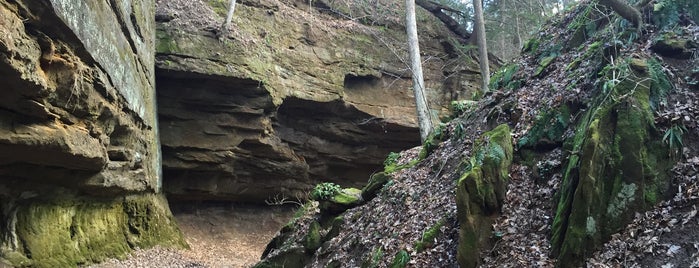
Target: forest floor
(219, 235)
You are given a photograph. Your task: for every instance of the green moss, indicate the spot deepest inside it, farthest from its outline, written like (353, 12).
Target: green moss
(615, 169)
(14, 258)
(429, 235)
(531, 46)
(486, 174)
(481, 190)
(312, 240)
(347, 196)
(341, 201)
(165, 43)
(66, 231)
(374, 259)
(376, 183)
(503, 78)
(432, 142)
(401, 260)
(219, 6)
(335, 227)
(548, 128)
(543, 64)
(150, 222)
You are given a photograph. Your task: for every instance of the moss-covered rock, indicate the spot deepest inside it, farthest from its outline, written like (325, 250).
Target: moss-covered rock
(618, 166)
(548, 128)
(376, 182)
(481, 190)
(341, 201)
(673, 46)
(543, 64)
(312, 240)
(65, 231)
(429, 235)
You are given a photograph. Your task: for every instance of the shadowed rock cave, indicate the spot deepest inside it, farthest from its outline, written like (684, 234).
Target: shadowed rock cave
(223, 139)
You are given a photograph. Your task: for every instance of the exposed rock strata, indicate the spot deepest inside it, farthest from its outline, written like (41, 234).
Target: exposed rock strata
(79, 154)
(289, 98)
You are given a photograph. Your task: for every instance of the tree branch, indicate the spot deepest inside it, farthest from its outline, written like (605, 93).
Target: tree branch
(438, 11)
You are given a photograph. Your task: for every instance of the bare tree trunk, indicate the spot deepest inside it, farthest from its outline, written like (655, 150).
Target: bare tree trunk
(229, 17)
(518, 45)
(423, 113)
(482, 45)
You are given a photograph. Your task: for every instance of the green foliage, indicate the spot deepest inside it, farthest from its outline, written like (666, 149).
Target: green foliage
(432, 141)
(459, 130)
(460, 107)
(666, 13)
(531, 46)
(390, 165)
(391, 160)
(504, 78)
(325, 191)
(429, 235)
(375, 258)
(401, 259)
(673, 138)
(549, 127)
(660, 84)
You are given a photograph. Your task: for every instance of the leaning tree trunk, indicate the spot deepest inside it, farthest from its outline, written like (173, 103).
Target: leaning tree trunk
(229, 17)
(423, 113)
(482, 46)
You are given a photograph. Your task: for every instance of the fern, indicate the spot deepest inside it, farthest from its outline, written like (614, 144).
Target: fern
(673, 138)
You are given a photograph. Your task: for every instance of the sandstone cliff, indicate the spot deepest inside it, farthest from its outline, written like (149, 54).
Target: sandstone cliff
(79, 154)
(293, 95)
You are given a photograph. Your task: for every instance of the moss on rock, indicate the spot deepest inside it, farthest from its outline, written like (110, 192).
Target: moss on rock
(429, 235)
(548, 128)
(376, 182)
(481, 190)
(65, 231)
(543, 64)
(618, 167)
(312, 240)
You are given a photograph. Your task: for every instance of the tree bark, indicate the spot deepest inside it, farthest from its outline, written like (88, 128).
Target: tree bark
(229, 17)
(624, 10)
(423, 113)
(482, 45)
(451, 23)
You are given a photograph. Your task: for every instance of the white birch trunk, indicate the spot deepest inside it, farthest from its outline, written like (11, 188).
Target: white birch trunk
(482, 45)
(423, 112)
(229, 17)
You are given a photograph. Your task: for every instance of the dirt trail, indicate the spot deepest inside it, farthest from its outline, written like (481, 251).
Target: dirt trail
(219, 235)
(230, 236)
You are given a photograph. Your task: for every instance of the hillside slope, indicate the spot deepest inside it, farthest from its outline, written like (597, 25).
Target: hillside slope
(589, 138)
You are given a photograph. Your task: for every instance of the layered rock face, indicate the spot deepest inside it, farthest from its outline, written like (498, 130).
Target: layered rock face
(79, 154)
(291, 96)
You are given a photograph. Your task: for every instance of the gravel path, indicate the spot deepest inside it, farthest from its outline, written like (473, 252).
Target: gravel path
(218, 236)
